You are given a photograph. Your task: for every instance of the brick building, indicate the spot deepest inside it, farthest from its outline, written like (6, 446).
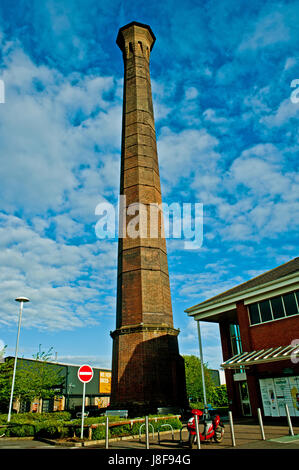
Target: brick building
(259, 329)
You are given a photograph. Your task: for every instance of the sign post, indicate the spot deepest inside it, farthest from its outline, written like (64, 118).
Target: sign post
(85, 375)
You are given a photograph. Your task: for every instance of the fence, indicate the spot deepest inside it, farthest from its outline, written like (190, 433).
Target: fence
(143, 422)
(242, 434)
(236, 436)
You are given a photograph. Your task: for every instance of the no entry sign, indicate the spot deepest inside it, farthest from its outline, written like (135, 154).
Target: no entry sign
(85, 374)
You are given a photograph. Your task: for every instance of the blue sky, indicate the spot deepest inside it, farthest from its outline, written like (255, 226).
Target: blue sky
(227, 135)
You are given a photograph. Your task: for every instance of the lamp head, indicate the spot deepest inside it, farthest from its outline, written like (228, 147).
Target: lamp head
(22, 299)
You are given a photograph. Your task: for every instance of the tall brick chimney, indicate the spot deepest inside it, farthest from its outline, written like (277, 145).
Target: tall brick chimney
(147, 370)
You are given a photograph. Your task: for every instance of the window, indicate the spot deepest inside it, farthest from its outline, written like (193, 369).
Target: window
(24, 406)
(290, 304)
(235, 339)
(265, 310)
(275, 308)
(254, 314)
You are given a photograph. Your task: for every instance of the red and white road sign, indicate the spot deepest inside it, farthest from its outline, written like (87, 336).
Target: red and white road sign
(85, 374)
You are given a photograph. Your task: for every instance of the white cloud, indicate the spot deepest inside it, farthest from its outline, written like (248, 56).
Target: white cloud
(182, 154)
(265, 201)
(259, 176)
(290, 63)
(267, 31)
(66, 284)
(51, 126)
(67, 228)
(211, 115)
(283, 114)
(204, 285)
(191, 93)
(54, 163)
(210, 338)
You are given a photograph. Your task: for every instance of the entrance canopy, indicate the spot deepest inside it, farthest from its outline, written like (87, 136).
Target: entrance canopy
(247, 359)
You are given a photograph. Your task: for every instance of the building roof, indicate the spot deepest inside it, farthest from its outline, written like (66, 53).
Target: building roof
(274, 274)
(56, 363)
(119, 39)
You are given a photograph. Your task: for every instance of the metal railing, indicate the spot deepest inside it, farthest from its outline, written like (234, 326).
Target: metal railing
(181, 430)
(162, 426)
(144, 424)
(167, 425)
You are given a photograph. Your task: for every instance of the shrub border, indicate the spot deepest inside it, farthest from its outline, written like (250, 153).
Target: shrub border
(90, 427)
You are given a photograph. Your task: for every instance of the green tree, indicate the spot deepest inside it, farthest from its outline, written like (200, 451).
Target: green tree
(219, 396)
(194, 379)
(6, 370)
(2, 352)
(34, 379)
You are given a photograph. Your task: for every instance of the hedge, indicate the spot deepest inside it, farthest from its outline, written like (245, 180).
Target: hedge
(26, 425)
(20, 418)
(133, 429)
(20, 430)
(35, 424)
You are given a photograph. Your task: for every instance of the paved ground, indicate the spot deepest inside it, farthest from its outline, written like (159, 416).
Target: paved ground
(247, 436)
(21, 443)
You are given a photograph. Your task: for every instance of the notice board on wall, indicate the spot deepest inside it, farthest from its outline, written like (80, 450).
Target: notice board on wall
(277, 392)
(105, 382)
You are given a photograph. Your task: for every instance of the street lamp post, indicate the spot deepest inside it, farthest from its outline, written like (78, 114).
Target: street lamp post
(21, 300)
(202, 369)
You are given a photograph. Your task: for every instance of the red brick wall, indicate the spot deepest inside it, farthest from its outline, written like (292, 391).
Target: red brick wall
(277, 368)
(277, 333)
(225, 340)
(266, 335)
(148, 370)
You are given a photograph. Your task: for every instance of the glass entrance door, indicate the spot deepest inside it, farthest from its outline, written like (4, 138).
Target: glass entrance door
(244, 396)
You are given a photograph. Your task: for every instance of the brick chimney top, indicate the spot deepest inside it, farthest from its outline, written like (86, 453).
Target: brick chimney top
(135, 31)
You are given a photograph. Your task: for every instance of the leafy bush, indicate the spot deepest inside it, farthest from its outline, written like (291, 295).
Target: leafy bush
(33, 417)
(36, 424)
(124, 430)
(99, 433)
(58, 415)
(20, 430)
(131, 430)
(28, 424)
(52, 429)
(197, 405)
(174, 422)
(219, 396)
(128, 430)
